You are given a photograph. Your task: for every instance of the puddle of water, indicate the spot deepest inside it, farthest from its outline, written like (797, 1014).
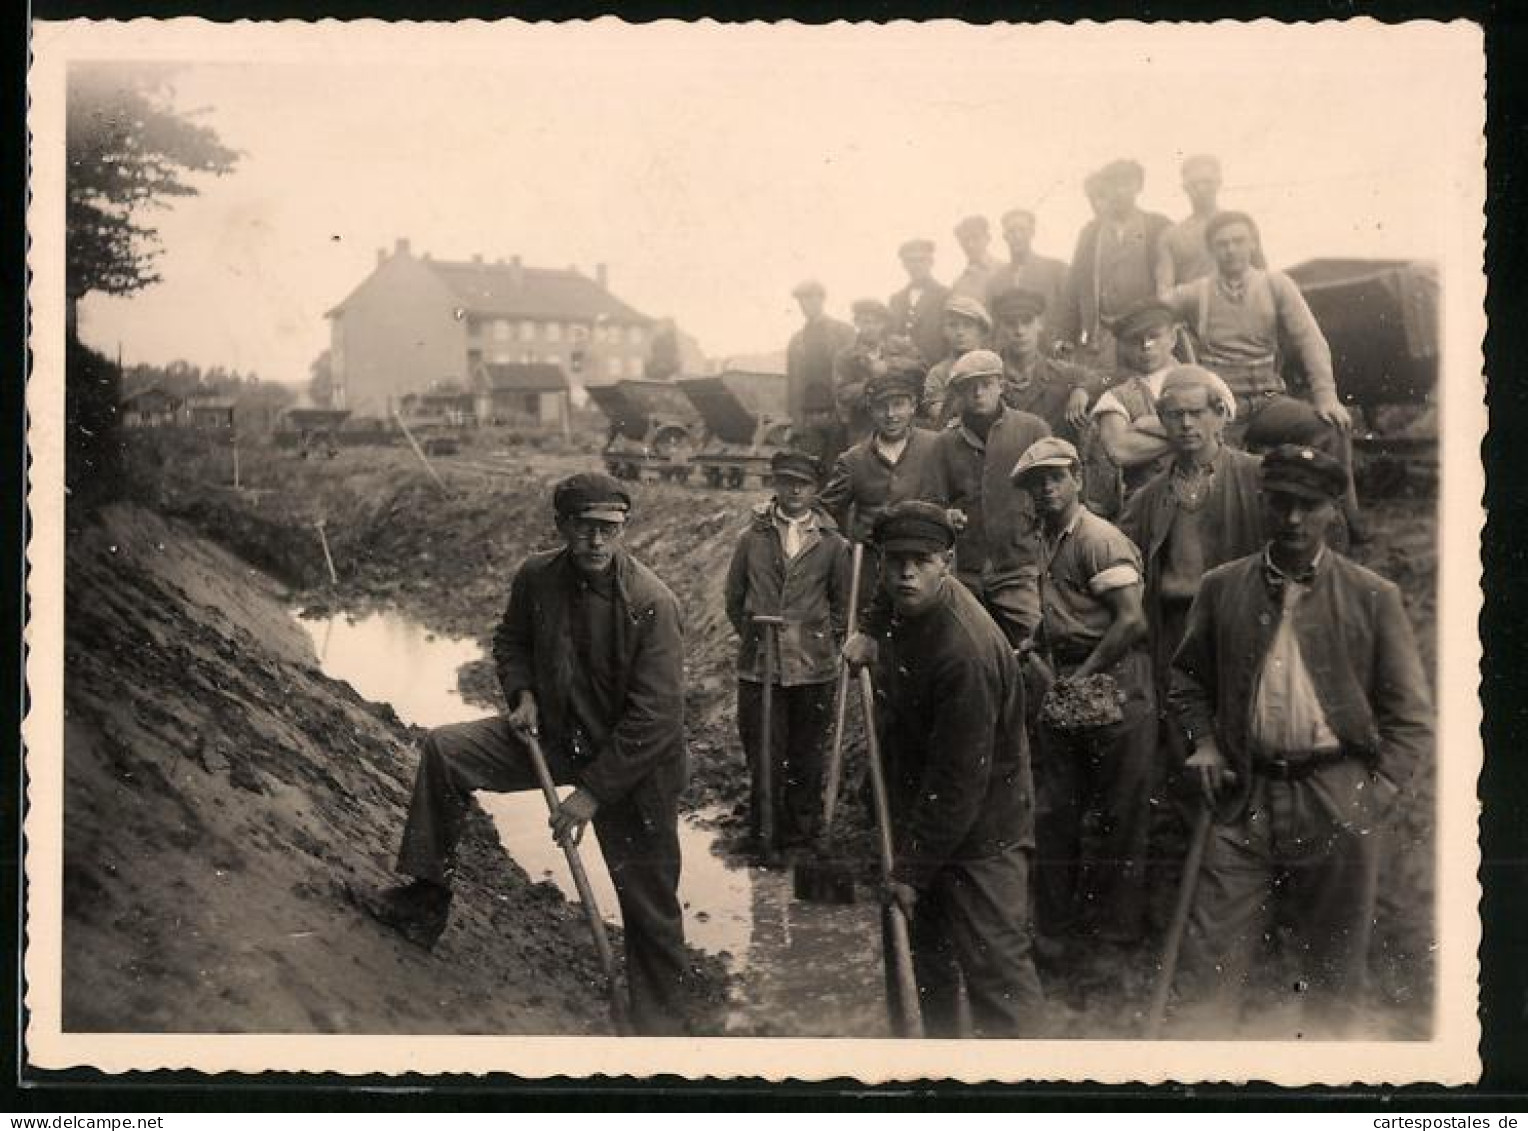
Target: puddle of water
(806, 970)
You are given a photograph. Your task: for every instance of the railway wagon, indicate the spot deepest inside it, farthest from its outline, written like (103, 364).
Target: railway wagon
(747, 421)
(654, 430)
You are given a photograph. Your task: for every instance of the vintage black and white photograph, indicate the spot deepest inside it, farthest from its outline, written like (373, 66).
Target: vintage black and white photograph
(733, 542)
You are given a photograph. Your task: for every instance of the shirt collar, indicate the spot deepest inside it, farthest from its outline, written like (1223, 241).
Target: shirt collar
(805, 522)
(1277, 579)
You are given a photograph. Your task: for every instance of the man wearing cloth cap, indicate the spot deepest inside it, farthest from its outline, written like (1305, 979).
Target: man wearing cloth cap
(875, 352)
(967, 327)
(1119, 260)
(1026, 269)
(892, 464)
(1299, 688)
(1130, 435)
(1093, 624)
(1056, 391)
(974, 235)
(792, 563)
(917, 310)
(1202, 510)
(590, 661)
(950, 714)
(996, 551)
(1244, 319)
(809, 374)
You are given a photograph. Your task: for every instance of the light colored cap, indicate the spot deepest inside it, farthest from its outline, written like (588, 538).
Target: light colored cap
(968, 307)
(975, 363)
(808, 287)
(1201, 165)
(1048, 451)
(1197, 377)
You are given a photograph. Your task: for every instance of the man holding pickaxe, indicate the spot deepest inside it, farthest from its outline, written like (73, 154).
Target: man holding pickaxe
(590, 659)
(950, 710)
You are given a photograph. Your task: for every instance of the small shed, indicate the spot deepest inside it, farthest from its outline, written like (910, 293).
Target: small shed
(210, 413)
(530, 395)
(151, 408)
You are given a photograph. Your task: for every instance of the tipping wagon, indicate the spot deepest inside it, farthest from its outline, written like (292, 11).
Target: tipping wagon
(653, 429)
(747, 421)
(1381, 318)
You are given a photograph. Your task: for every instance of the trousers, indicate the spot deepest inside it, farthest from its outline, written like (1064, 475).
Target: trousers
(1111, 773)
(970, 931)
(1312, 845)
(799, 722)
(641, 850)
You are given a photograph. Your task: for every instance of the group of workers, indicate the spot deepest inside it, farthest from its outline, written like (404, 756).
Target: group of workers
(1079, 591)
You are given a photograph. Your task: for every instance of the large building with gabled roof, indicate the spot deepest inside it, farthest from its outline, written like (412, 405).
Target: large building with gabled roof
(417, 322)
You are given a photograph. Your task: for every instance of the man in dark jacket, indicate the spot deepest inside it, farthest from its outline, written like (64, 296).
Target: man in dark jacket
(1300, 690)
(809, 361)
(917, 310)
(790, 563)
(950, 711)
(1056, 391)
(875, 352)
(590, 658)
(996, 550)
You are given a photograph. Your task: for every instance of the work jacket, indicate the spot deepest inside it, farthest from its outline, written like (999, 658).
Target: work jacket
(628, 741)
(810, 591)
(1230, 527)
(1089, 303)
(922, 321)
(863, 478)
(950, 712)
(809, 369)
(967, 472)
(1358, 648)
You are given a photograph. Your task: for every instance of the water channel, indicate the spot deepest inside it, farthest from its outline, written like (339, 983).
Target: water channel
(804, 970)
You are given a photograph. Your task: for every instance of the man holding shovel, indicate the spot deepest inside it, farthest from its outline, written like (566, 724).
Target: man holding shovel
(950, 716)
(590, 660)
(787, 598)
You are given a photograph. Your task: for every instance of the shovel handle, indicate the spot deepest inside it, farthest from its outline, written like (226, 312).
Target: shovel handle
(585, 889)
(1157, 1013)
(841, 704)
(910, 1021)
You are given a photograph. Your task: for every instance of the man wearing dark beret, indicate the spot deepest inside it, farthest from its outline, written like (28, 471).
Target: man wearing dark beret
(590, 660)
(917, 310)
(1056, 391)
(1119, 260)
(950, 713)
(875, 352)
(1299, 688)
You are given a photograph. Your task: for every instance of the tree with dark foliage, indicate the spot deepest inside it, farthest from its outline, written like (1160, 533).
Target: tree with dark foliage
(127, 150)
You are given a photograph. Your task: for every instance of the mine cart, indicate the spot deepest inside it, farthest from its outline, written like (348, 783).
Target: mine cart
(1380, 317)
(653, 429)
(747, 422)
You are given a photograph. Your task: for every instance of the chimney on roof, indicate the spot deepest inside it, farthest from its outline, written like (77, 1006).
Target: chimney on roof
(381, 256)
(478, 259)
(516, 272)
(602, 276)
(401, 247)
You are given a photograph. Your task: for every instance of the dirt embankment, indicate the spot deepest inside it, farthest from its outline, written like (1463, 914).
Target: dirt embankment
(221, 792)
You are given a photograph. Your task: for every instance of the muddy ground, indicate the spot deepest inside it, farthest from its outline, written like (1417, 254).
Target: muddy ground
(445, 559)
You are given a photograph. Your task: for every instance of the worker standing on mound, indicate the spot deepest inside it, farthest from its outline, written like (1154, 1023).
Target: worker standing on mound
(590, 658)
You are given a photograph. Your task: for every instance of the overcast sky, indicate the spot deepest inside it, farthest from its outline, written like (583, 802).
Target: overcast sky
(711, 167)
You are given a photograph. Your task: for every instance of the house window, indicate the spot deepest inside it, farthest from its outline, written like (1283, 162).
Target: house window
(500, 330)
(501, 357)
(634, 336)
(613, 366)
(554, 331)
(527, 331)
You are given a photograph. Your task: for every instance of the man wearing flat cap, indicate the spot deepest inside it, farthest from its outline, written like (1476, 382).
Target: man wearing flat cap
(893, 463)
(974, 235)
(1130, 435)
(950, 713)
(809, 362)
(917, 310)
(1299, 688)
(590, 661)
(1026, 269)
(875, 352)
(1244, 320)
(792, 563)
(1092, 625)
(967, 327)
(1058, 392)
(1119, 260)
(996, 549)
